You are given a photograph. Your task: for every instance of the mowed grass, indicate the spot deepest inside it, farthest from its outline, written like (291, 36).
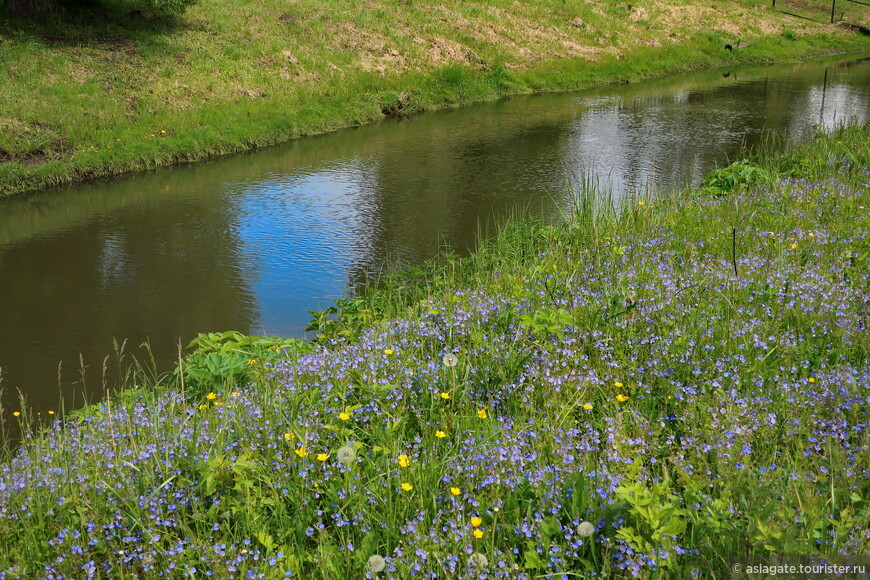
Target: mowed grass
(648, 390)
(103, 91)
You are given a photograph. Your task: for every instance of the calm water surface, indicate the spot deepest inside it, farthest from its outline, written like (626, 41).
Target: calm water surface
(254, 242)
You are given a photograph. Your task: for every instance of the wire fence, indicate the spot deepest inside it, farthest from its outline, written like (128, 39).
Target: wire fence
(816, 10)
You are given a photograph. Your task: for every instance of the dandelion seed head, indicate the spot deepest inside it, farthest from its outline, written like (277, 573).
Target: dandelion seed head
(450, 360)
(376, 563)
(346, 455)
(478, 560)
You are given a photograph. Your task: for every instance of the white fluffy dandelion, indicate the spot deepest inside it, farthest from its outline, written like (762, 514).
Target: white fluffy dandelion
(450, 360)
(345, 455)
(477, 560)
(585, 529)
(376, 563)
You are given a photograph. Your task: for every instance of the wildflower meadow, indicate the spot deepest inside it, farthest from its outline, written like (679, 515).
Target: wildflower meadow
(649, 388)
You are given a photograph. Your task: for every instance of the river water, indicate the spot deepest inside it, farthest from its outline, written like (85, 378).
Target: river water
(254, 242)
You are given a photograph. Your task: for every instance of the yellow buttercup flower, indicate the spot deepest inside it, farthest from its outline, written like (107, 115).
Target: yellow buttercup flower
(618, 385)
(301, 452)
(344, 416)
(203, 406)
(478, 534)
(288, 436)
(211, 396)
(587, 406)
(388, 351)
(455, 490)
(16, 414)
(407, 486)
(481, 413)
(476, 521)
(404, 461)
(793, 246)
(445, 396)
(235, 393)
(440, 434)
(621, 398)
(252, 361)
(322, 456)
(811, 380)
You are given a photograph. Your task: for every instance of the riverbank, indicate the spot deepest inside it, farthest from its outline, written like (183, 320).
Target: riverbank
(99, 94)
(645, 390)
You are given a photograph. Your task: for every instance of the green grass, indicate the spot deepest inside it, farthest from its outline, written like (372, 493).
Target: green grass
(99, 92)
(648, 388)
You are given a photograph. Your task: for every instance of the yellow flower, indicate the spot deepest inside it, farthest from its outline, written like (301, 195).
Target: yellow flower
(455, 490)
(162, 130)
(481, 413)
(793, 246)
(478, 534)
(407, 486)
(252, 361)
(211, 396)
(618, 385)
(621, 398)
(51, 412)
(641, 203)
(388, 351)
(587, 406)
(445, 396)
(476, 521)
(203, 406)
(235, 393)
(811, 234)
(16, 414)
(404, 461)
(811, 380)
(322, 456)
(440, 434)
(288, 436)
(344, 416)
(218, 403)
(301, 452)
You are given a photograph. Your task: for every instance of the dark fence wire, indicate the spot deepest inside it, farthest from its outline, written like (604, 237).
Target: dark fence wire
(833, 9)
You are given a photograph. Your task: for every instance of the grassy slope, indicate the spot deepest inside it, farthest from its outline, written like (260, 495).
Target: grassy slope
(612, 369)
(97, 94)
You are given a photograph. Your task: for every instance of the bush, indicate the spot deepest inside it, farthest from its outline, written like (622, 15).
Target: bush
(740, 174)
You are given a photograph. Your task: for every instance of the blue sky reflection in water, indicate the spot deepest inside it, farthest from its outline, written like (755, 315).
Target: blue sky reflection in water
(300, 233)
(254, 242)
